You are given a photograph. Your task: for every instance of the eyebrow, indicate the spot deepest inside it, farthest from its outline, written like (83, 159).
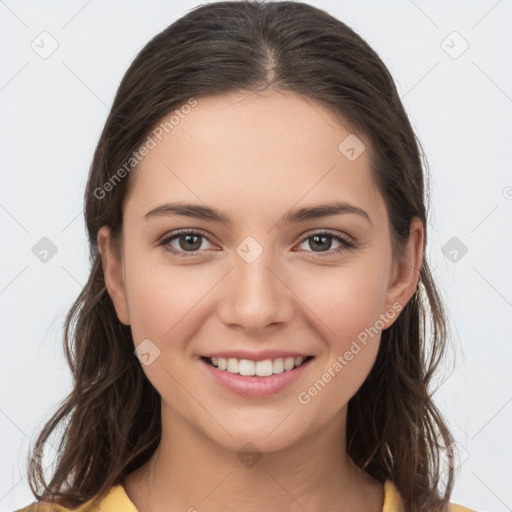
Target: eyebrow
(197, 211)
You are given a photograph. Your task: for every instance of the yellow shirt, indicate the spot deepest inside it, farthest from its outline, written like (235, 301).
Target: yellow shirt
(118, 501)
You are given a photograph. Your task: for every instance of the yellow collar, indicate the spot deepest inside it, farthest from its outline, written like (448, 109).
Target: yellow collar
(117, 500)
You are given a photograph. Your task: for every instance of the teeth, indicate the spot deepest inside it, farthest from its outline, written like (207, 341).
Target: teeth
(263, 368)
(278, 365)
(246, 367)
(289, 363)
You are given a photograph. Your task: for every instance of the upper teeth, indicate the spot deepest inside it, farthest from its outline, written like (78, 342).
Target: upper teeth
(261, 368)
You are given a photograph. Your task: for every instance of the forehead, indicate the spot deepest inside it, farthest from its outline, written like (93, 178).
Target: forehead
(254, 151)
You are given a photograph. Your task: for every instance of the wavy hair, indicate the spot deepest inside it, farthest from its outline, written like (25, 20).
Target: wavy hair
(111, 418)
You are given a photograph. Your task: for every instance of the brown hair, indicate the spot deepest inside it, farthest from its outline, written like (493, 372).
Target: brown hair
(112, 415)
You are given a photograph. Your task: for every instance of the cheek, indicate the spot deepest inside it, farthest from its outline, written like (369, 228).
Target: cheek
(355, 309)
(344, 306)
(346, 300)
(157, 303)
(165, 300)
(164, 303)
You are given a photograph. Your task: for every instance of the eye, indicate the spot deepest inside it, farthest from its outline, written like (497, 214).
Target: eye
(187, 241)
(323, 240)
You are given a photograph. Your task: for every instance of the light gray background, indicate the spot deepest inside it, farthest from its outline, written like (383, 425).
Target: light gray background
(53, 110)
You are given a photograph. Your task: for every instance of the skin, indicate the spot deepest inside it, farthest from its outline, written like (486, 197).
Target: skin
(255, 156)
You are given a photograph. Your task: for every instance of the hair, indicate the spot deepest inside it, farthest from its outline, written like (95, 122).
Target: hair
(111, 418)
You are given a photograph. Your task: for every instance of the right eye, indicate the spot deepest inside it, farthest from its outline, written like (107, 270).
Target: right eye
(186, 239)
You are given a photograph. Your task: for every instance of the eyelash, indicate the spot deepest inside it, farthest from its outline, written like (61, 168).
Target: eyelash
(346, 244)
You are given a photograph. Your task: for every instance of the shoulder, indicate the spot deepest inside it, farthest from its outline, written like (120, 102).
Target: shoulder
(43, 507)
(393, 501)
(116, 500)
(453, 507)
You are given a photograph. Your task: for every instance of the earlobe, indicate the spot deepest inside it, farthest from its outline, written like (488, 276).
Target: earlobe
(113, 274)
(406, 277)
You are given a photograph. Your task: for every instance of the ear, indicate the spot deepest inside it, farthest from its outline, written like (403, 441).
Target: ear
(113, 274)
(405, 276)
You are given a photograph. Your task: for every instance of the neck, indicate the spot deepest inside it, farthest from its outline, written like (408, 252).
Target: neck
(190, 471)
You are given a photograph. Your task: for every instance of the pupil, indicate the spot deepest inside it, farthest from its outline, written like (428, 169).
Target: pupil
(187, 239)
(322, 237)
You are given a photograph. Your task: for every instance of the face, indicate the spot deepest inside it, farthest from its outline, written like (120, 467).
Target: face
(258, 279)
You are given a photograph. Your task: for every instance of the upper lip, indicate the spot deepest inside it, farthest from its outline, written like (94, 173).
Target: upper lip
(256, 356)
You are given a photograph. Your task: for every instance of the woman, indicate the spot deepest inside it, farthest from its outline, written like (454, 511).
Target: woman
(252, 332)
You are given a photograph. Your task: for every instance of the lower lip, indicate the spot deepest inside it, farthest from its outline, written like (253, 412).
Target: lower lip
(254, 386)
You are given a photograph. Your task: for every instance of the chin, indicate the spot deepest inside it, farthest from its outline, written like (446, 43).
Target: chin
(264, 434)
(255, 443)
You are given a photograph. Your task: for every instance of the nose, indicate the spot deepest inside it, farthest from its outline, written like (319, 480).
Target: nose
(256, 295)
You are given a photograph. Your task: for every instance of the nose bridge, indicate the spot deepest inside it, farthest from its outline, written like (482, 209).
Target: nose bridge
(257, 296)
(252, 271)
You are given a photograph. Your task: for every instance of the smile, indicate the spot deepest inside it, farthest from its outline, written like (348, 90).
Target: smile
(255, 379)
(264, 368)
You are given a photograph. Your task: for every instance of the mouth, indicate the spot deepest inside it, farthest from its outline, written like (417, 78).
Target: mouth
(255, 379)
(249, 368)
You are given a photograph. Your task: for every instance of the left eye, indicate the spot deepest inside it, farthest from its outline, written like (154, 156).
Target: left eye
(319, 240)
(191, 241)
